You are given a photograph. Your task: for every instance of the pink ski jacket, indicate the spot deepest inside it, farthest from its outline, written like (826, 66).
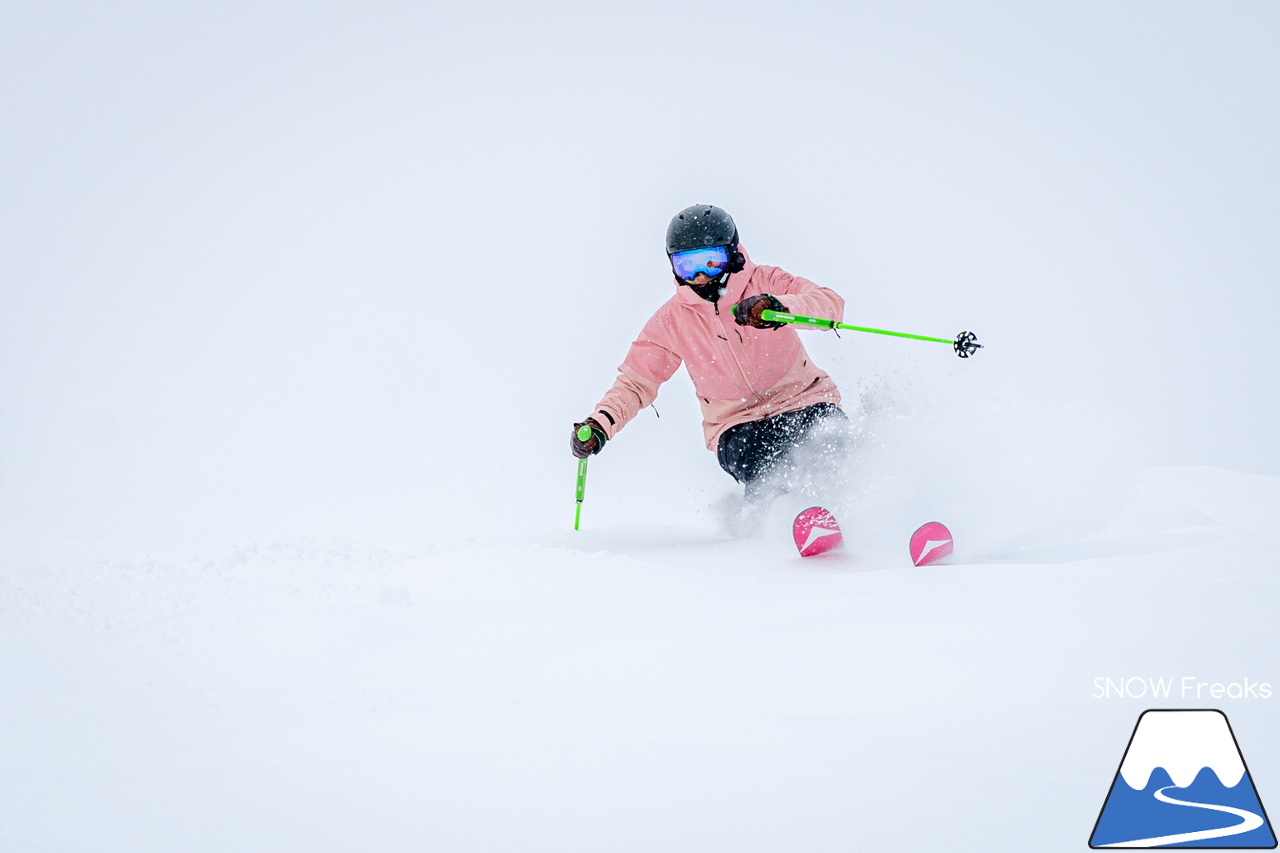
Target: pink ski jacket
(740, 373)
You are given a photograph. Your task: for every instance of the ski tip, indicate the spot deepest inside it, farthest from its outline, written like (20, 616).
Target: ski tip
(816, 531)
(930, 543)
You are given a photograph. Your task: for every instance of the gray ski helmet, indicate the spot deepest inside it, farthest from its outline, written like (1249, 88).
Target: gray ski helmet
(701, 227)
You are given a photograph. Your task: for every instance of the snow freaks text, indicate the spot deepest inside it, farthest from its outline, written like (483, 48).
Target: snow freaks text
(1186, 687)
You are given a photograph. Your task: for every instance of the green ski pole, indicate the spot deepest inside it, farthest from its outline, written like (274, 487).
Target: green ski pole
(584, 434)
(965, 343)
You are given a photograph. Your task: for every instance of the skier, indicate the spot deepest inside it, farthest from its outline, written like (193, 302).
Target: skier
(762, 397)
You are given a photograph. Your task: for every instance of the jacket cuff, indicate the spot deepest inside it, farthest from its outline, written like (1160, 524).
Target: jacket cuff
(607, 420)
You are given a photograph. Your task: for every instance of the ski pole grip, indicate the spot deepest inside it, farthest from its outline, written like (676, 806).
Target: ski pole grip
(782, 317)
(771, 316)
(584, 433)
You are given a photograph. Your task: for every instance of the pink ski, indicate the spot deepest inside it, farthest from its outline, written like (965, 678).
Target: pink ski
(816, 532)
(931, 542)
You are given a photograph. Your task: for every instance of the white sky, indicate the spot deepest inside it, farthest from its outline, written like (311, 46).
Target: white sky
(271, 264)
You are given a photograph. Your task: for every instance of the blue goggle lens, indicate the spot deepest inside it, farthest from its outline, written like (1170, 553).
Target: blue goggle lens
(711, 261)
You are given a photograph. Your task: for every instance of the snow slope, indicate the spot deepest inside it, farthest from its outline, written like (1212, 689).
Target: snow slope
(629, 687)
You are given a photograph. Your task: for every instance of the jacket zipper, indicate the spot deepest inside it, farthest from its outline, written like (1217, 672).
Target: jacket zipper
(736, 360)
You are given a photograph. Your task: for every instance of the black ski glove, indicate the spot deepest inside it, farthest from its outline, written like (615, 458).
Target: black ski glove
(748, 312)
(583, 449)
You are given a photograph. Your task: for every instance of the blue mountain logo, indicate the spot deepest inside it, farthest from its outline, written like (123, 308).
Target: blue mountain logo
(1183, 783)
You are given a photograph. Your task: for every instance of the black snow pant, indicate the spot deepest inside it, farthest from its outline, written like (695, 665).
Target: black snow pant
(752, 450)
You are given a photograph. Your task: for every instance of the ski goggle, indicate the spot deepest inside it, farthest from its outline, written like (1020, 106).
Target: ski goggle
(711, 261)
